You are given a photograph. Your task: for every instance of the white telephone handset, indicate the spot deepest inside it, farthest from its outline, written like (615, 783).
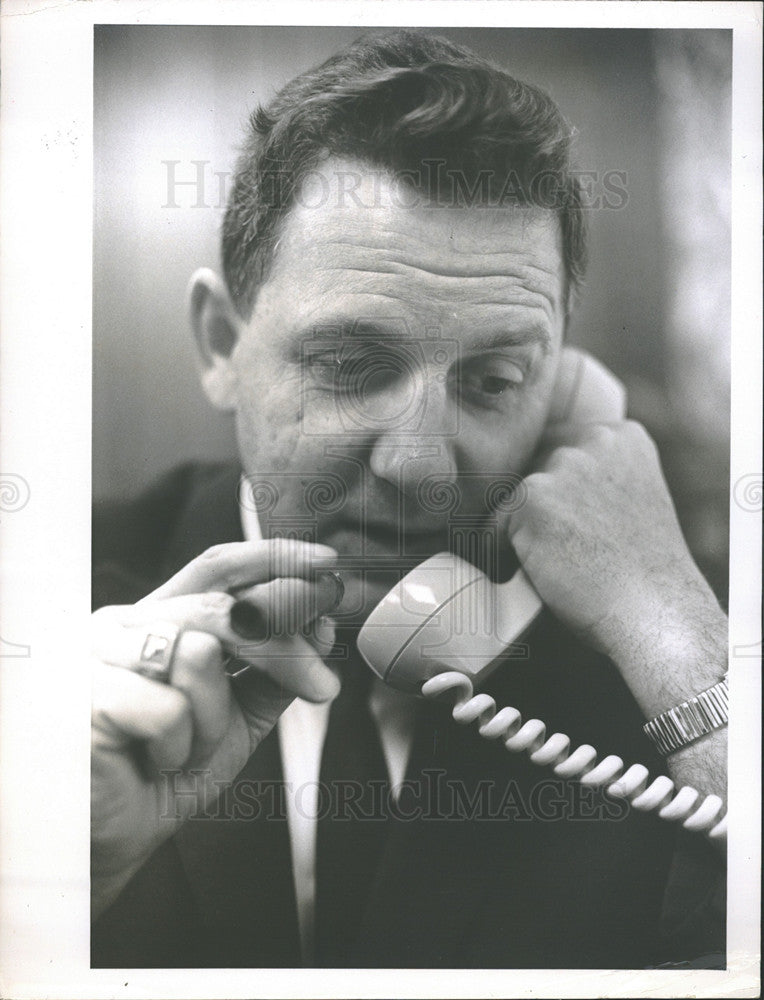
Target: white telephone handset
(443, 627)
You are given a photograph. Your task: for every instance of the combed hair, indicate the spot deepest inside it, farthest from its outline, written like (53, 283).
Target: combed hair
(403, 101)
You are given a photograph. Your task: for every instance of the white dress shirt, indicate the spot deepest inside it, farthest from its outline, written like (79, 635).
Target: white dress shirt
(302, 731)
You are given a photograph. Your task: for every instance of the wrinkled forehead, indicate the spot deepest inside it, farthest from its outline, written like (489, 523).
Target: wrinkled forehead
(346, 209)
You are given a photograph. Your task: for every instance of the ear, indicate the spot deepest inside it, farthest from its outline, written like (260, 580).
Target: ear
(217, 327)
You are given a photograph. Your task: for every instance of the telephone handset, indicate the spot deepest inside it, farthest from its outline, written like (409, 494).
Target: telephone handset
(443, 627)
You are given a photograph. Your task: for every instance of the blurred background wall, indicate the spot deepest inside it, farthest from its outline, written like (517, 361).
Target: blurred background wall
(652, 110)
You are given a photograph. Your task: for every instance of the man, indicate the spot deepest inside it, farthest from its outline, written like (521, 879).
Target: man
(401, 249)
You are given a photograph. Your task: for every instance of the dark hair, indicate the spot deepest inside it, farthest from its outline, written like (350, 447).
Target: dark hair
(402, 101)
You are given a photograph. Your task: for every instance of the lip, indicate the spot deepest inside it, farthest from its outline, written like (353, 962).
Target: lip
(386, 531)
(385, 540)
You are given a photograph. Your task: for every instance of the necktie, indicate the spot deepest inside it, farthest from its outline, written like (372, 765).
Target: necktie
(351, 824)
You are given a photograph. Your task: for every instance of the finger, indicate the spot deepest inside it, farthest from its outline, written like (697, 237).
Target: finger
(290, 660)
(261, 700)
(321, 634)
(285, 606)
(148, 650)
(235, 564)
(276, 609)
(561, 457)
(294, 667)
(128, 707)
(197, 671)
(576, 435)
(535, 487)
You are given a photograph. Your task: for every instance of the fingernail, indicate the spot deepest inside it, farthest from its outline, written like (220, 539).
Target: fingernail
(248, 621)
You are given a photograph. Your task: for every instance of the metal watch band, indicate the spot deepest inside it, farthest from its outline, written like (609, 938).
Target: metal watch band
(679, 726)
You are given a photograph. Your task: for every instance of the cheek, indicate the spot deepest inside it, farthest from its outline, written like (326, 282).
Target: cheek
(280, 456)
(502, 447)
(268, 424)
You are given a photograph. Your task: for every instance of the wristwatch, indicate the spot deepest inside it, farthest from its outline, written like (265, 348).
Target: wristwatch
(682, 725)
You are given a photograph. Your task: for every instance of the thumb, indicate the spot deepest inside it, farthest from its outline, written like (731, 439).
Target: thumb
(294, 669)
(261, 701)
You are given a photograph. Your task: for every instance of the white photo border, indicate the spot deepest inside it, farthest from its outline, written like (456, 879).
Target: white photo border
(46, 191)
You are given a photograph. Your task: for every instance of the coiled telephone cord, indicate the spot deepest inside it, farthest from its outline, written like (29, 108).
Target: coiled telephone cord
(630, 783)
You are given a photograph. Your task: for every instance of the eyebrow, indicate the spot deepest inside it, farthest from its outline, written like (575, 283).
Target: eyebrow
(533, 334)
(342, 327)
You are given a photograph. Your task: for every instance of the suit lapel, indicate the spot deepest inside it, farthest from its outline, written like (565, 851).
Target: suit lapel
(426, 893)
(238, 864)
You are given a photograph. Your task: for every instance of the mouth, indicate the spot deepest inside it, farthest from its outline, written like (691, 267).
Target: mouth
(388, 541)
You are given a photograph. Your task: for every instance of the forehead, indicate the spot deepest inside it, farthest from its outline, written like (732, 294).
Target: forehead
(359, 235)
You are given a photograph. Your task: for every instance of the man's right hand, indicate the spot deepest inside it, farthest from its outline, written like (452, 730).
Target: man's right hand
(150, 739)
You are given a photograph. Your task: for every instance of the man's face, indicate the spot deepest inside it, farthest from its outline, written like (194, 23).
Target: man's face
(396, 373)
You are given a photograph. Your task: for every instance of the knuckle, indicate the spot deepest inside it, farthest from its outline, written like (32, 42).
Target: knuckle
(539, 498)
(287, 594)
(571, 455)
(216, 602)
(199, 650)
(214, 551)
(538, 494)
(601, 434)
(633, 428)
(221, 556)
(534, 488)
(637, 434)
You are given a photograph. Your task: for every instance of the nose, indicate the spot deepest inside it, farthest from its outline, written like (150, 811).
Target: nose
(421, 443)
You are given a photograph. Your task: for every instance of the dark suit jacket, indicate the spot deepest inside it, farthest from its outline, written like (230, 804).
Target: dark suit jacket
(495, 864)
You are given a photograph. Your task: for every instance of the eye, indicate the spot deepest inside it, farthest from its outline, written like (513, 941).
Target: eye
(355, 369)
(324, 366)
(493, 385)
(489, 380)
